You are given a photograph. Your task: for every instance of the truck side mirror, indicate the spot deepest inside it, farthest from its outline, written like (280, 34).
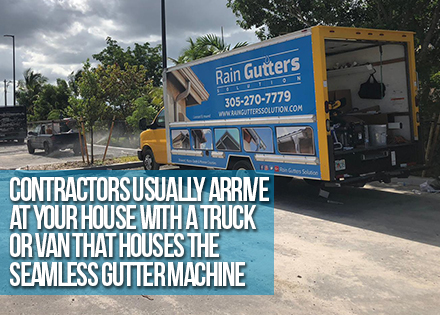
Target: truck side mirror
(143, 124)
(31, 133)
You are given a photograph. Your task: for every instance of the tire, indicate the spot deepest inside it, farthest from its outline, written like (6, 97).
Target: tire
(243, 168)
(314, 183)
(77, 149)
(31, 149)
(282, 180)
(243, 165)
(149, 162)
(20, 141)
(46, 148)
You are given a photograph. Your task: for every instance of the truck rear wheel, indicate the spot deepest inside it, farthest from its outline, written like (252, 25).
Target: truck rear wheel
(31, 149)
(46, 148)
(149, 161)
(282, 180)
(77, 149)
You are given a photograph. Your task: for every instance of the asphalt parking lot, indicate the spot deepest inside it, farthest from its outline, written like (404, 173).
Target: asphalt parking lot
(375, 250)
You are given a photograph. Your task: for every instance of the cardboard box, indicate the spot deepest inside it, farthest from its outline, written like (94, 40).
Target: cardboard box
(339, 95)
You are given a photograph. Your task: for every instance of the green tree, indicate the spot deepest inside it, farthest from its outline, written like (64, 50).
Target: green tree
(72, 80)
(122, 86)
(146, 107)
(91, 105)
(51, 99)
(276, 17)
(192, 52)
(44, 103)
(204, 46)
(29, 88)
(142, 55)
(54, 114)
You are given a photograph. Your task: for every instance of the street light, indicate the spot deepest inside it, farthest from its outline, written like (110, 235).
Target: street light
(13, 61)
(164, 34)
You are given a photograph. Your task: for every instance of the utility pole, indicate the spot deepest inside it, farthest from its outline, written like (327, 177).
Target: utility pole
(164, 40)
(6, 95)
(13, 61)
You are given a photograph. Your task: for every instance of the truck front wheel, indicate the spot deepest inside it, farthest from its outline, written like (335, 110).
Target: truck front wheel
(243, 165)
(31, 149)
(149, 161)
(244, 168)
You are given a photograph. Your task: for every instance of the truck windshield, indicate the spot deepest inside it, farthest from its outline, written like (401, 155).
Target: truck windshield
(160, 120)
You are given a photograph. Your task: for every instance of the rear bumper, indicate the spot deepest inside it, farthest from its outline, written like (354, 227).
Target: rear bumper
(62, 146)
(384, 176)
(360, 166)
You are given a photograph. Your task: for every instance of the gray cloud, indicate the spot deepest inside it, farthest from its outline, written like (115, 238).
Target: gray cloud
(54, 37)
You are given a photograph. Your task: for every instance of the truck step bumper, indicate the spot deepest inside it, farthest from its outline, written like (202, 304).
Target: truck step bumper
(380, 176)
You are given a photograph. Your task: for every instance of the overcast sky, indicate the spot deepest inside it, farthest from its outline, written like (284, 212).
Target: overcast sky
(54, 37)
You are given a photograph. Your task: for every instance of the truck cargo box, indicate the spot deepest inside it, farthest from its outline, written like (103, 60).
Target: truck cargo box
(301, 105)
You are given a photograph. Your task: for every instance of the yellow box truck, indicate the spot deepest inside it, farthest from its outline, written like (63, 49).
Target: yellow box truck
(331, 104)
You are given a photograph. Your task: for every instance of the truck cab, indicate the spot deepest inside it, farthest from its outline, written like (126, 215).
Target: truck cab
(153, 142)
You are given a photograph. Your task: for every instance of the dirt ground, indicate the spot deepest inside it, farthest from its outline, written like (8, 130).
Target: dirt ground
(15, 155)
(375, 252)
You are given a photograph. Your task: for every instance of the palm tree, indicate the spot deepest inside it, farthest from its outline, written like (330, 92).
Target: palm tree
(215, 45)
(204, 46)
(29, 88)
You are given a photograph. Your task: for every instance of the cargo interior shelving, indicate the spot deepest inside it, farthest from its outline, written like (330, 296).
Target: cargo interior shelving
(369, 135)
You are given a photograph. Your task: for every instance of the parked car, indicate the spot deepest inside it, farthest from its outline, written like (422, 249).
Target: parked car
(53, 135)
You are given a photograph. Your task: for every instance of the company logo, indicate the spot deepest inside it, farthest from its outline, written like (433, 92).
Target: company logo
(258, 68)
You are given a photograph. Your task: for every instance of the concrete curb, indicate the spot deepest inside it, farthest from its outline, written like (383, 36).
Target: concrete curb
(119, 166)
